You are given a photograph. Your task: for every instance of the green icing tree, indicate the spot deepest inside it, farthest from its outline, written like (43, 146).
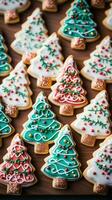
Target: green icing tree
(5, 128)
(5, 67)
(62, 164)
(79, 23)
(42, 128)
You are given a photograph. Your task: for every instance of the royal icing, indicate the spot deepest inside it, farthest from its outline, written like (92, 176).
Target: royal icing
(42, 126)
(5, 127)
(12, 4)
(49, 59)
(99, 66)
(14, 89)
(68, 88)
(5, 67)
(16, 166)
(32, 35)
(79, 22)
(62, 162)
(95, 120)
(108, 20)
(100, 168)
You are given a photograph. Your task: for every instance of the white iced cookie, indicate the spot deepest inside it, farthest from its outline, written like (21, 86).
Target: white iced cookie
(98, 68)
(94, 122)
(15, 92)
(99, 170)
(31, 37)
(45, 66)
(11, 8)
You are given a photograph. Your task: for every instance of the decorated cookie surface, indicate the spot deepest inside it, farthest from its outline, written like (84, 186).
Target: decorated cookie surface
(68, 90)
(99, 67)
(48, 61)
(32, 35)
(41, 127)
(79, 24)
(95, 119)
(99, 170)
(62, 162)
(16, 169)
(5, 66)
(15, 90)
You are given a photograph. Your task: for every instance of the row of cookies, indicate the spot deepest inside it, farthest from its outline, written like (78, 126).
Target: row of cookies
(10, 8)
(68, 92)
(79, 15)
(62, 165)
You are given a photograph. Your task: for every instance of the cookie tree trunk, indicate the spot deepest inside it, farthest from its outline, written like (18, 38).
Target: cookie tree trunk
(66, 109)
(88, 140)
(98, 3)
(11, 16)
(59, 183)
(100, 189)
(14, 189)
(49, 5)
(44, 82)
(42, 148)
(12, 111)
(98, 84)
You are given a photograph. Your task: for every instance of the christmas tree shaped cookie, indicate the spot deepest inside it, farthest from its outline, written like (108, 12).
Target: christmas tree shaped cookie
(78, 26)
(11, 8)
(62, 165)
(5, 127)
(98, 68)
(5, 60)
(45, 66)
(51, 5)
(31, 37)
(99, 3)
(42, 128)
(68, 92)
(16, 170)
(99, 170)
(108, 20)
(94, 122)
(15, 92)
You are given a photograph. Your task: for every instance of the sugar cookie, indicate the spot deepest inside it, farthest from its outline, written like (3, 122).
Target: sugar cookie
(98, 68)
(31, 37)
(45, 66)
(78, 26)
(62, 165)
(6, 128)
(68, 92)
(94, 122)
(99, 170)
(42, 128)
(16, 170)
(11, 8)
(15, 92)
